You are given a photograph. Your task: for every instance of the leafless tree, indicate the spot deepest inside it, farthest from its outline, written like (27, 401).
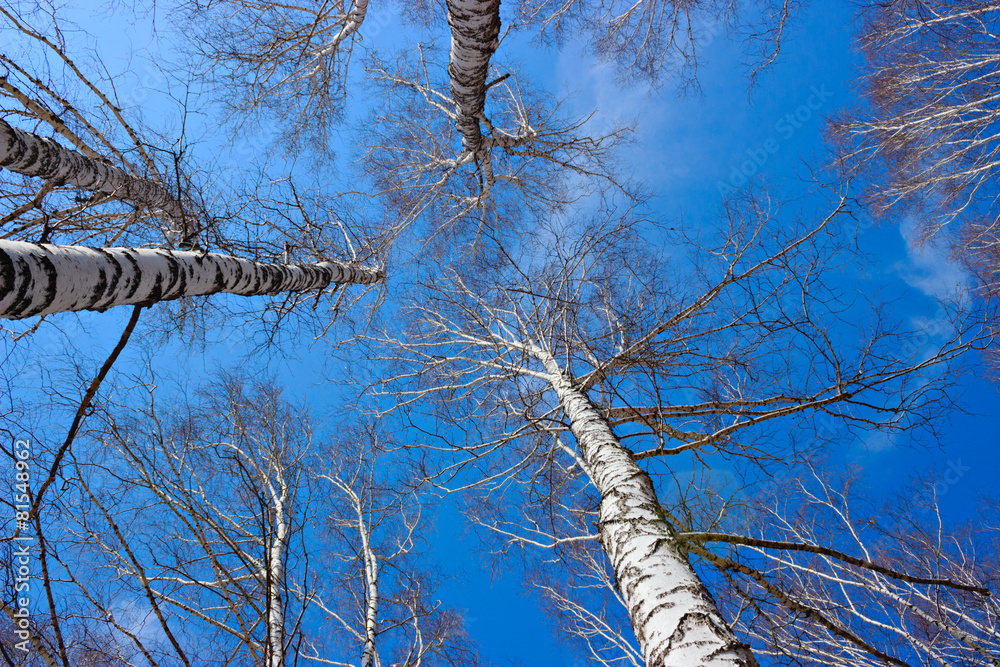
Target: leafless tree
(793, 536)
(441, 147)
(662, 39)
(288, 60)
(928, 136)
(931, 123)
(376, 524)
(221, 533)
(651, 369)
(110, 184)
(497, 170)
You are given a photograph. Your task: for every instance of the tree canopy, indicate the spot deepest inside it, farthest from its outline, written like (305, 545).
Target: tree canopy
(646, 312)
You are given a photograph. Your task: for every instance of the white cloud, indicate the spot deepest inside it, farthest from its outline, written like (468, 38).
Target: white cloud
(929, 268)
(595, 86)
(880, 440)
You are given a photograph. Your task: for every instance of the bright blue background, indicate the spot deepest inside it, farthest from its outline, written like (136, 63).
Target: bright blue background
(686, 147)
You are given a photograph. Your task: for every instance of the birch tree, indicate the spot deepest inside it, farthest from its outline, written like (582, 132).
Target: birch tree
(593, 375)
(657, 40)
(286, 60)
(928, 138)
(497, 170)
(378, 522)
(224, 532)
(440, 147)
(109, 183)
(793, 533)
(30, 155)
(39, 279)
(931, 124)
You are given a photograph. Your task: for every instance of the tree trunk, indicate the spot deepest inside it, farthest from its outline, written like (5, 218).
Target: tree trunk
(31, 155)
(369, 654)
(37, 279)
(675, 619)
(475, 27)
(275, 653)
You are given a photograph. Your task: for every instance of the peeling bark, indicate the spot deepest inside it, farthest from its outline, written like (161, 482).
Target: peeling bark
(475, 29)
(37, 279)
(31, 155)
(675, 619)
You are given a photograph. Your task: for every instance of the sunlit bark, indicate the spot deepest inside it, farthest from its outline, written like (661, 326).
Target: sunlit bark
(37, 279)
(31, 155)
(673, 614)
(475, 26)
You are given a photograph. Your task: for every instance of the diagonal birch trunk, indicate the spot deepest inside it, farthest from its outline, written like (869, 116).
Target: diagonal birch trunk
(31, 155)
(475, 28)
(675, 619)
(38, 279)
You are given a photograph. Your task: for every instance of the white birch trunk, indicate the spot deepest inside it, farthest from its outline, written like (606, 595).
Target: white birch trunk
(369, 654)
(37, 279)
(675, 619)
(275, 565)
(475, 28)
(354, 20)
(31, 155)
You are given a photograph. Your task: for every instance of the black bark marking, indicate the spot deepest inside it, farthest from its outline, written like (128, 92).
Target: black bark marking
(133, 286)
(220, 280)
(155, 294)
(172, 279)
(116, 274)
(182, 278)
(48, 270)
(9, 283)
(99, 289)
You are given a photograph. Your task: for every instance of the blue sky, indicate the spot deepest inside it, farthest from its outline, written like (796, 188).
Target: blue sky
(687, 150)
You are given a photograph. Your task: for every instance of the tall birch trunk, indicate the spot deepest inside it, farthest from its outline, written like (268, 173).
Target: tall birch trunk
(475, 28)
(369, 654)
(275, 654)
(31, 155)
(37, 279)
(675, 619)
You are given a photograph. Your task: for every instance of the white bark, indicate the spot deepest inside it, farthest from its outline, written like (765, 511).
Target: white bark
(31, 155)
(275, 565)
(369, 655)
(354, 20)
(475, 28)
(37, 279)
(675, 619)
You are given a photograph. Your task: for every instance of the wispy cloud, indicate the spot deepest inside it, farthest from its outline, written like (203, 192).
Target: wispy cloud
(929, 268)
